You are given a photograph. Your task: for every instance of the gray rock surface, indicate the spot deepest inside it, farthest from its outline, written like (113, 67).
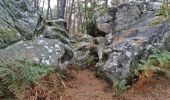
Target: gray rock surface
(135, 42)
(20, 22)
(154, 6)
(18, 19)
(85, 51)
(42, 50)
(126, 16)
(56, 29)
(102, 24)
(139, 27)
(130, 48)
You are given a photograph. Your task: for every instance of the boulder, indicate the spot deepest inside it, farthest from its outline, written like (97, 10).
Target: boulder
(56, 29)
(153, 6)
(137, 33)
(102, 24)
(42, 50)
(114, 20)
(20, 22)
(85, 51)
(85, 55)
(18, 19)
(134, 44)
(122, 17)
(126, 16)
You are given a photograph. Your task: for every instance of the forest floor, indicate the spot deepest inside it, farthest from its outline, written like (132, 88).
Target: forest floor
(84, 85)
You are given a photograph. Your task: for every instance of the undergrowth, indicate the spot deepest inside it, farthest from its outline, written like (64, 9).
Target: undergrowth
(164, 9)
(17, 76)
(158, 63)
(119, 86)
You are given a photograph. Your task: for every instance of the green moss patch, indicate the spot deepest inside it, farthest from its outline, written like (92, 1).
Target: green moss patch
(8, 36)
(157, 20)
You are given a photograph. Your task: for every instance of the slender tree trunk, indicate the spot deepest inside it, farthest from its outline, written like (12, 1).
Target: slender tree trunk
(80, 17)
(106, 3)
(70, 16)
(42, 7)
(86, 11)
(38, 4)
(67, 8)
(58, 5)
(51, 13)
(74, 24)
(48, 10)
(35, 3)
(61, 9)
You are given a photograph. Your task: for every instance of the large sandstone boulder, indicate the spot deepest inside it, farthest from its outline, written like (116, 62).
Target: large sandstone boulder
(50, 48)
(85, 51)
(139, 27)
(18, 20)
(134, 44)
(102, 24)
(56, 29)
(41, 50)
(126, 16)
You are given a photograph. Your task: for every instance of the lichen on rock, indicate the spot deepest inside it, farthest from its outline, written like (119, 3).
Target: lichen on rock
(138, 29)
(8, 36)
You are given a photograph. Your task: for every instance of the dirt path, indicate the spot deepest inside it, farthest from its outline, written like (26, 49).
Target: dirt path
(155, 88)
(85, 86)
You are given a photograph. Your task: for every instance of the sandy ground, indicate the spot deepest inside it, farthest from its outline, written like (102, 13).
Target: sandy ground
(85, 86)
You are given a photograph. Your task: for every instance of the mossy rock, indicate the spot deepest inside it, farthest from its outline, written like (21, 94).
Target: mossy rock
(157, 20)
(8, 36)
(164, 10)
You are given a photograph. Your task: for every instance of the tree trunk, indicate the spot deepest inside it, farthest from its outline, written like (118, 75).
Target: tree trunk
(106, 3)
(70, 16)
(80, 18)
(86, 11)
(61, 4)
(74, 24)
(51, 13)
(48, 10)
(42, 7)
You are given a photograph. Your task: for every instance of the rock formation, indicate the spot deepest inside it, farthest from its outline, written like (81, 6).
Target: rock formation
(19, 25)
(137, 28)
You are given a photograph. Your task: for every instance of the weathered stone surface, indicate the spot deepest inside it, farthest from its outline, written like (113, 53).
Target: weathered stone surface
(138, 31)
(85, 55)
(130, 48)
(102, 24)
(56, 29)
(41, 50)
(126, 16)
(135, 42)
(85, 51)
(114, 20)
(19, 17)
(153, 6)
(19, 22)
(120, 18)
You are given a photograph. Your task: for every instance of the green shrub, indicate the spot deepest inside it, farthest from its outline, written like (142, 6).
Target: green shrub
(164, 9)
(119, 86)
(159, 62)
(18, 75)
